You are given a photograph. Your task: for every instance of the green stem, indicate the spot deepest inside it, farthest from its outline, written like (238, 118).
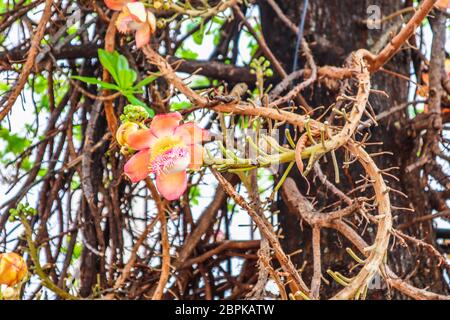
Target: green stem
(40, 272)
(283, 178)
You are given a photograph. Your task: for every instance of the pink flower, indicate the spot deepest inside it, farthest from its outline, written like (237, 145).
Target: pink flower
(134, 17)
(167, 149)
(117, 4)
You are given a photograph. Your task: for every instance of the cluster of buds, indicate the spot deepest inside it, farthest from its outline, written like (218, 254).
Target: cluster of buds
(261, 68)
(133, 113)
(261, 65)
(166, 149)
(161, 4)
(134, 17)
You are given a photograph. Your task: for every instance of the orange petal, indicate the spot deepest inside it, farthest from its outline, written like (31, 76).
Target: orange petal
(196, 151)
(443, 4)
(138, 11)
(172, 185)
(165, 124)
(123, 22)
(143, 35)
(151, 19)
(117, 4)
(190, 133)
(137, 168)
(124, 131)
(141, 139)
(12, 269)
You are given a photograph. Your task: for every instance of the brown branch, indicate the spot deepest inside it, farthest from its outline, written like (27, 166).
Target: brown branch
(300, 204)
(110, 42)
(317, 265)
(392, 48)
(206, 219)
(420, 243)
(266, 230)
(133, 257)
(165, 246)
(31, 56)
(443, 214)
(226, 245)
(393, 280)
(168, 72)
(262, 43)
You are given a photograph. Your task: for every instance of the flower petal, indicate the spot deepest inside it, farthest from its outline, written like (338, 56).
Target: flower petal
(172, 185)
(165, 124)
(12, 269)
(141, 139)
(117, 4)
(180, 162)
(138, 167)
(123, 22)
(151, 20)
(190, 133)
(143, 35)
(196, 151)
(442, 4)
(138, 11)
(124, 131)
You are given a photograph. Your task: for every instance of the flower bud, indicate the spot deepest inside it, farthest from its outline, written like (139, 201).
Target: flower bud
(13, 269)
(161, 23)
(157, 4)
(124, 130)
(133, 113)
(9, 294)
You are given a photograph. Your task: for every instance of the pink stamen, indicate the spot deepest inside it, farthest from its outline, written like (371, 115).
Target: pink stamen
(167, 160)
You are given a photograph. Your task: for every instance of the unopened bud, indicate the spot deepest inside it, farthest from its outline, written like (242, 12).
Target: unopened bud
(124, 131)
(13, 269)
(133, 113)
(157, 4)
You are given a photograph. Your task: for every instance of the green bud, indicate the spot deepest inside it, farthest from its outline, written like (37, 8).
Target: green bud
(268, 73)
(133, 113)
(161, 23)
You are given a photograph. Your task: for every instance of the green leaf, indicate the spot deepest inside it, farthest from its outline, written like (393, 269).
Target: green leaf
(187, 54)
(200, 81)
(199, 35)
(126, 78)
(100, 83)
(194, 194)
(4, 87)
(180, 105)
(122, 63)
(14, 143)
(110, 62)
(145, 82)
(77, 250)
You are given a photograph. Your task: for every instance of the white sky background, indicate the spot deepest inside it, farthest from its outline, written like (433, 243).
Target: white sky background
(23, 113)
